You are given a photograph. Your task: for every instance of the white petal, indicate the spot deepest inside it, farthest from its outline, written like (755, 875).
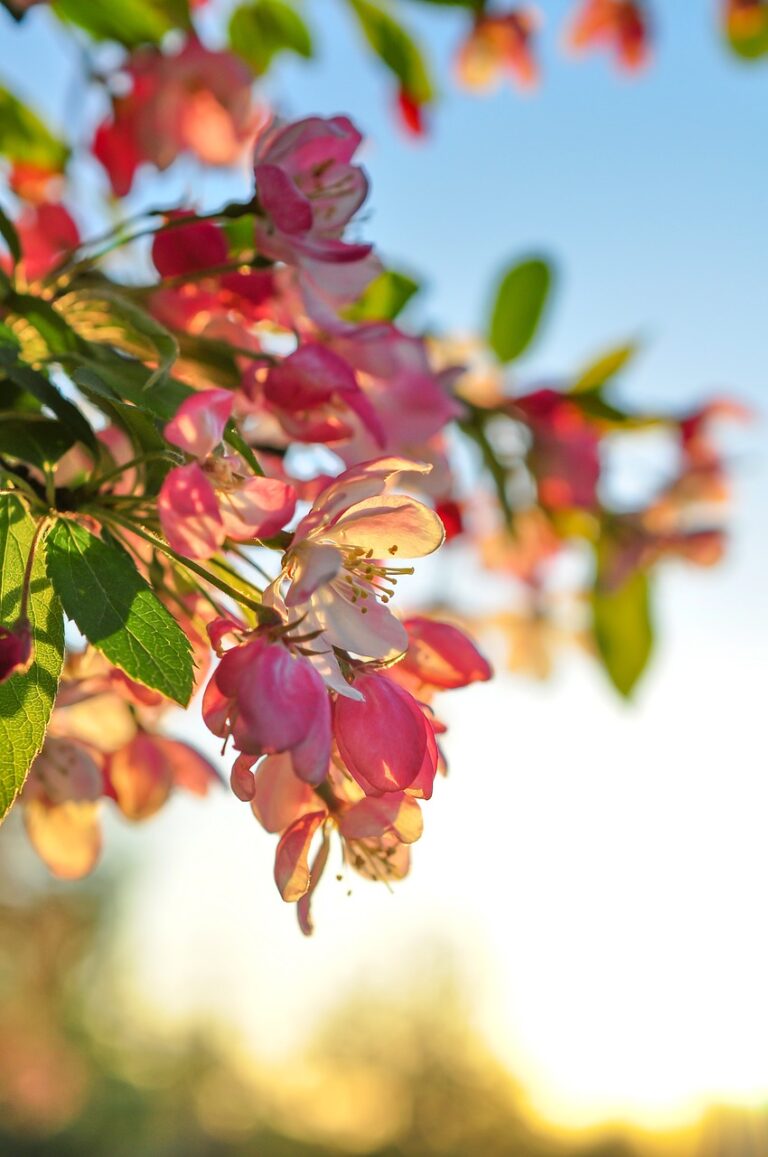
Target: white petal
(311, 565)
(392, 528)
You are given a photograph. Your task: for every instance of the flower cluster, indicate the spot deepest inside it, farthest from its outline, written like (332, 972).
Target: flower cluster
(250, 454)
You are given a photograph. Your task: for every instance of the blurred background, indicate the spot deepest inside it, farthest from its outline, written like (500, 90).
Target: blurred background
(577, 963)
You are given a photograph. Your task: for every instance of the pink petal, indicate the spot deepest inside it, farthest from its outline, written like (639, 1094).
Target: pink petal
(311, 565)
(366, 628)
(309, 376)
(188, 248)
(16, 651)
(258, 509)
(279, 797)
(441, 655)
(67, 837)
(189, 513)
(141, 777)
(292, 855)
(356, 484)
(281, 200)
(282, 702)
(391, 527)
(375, 815)
(382, 739)
(318, 867)
(198, 427)
(242, 780)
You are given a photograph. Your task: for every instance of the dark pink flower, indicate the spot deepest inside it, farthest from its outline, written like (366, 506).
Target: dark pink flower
(383, 738)
(564, 458)
(272, 701)
(312, 392)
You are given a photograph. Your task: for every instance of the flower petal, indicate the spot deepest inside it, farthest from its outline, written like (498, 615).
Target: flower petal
(279, 796)
(67, 837)
(441, 655)
(383, 739)
(141, 777)
(189, 513)
(200, 420)
(292, 855)
(257, 509)
(390, 527)
(365, 628)
(311, 566)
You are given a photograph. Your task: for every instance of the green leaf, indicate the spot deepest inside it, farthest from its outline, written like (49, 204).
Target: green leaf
(234, 438)
(384, 298)
(33, 438)
(10, 236)
(260, 30)
(37, 385)
(622, 626)
(24, 137)
(520, 300)
(129, 22)
(396, 48)
(119, 379)
(39, 330)
(26, 700)
(594, 376)
(8, 337)
(106, 597)
(103, 316)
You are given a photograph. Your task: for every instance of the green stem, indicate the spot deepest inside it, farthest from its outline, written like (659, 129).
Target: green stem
(151, 455)
(41, 527)
(22, 485)
(252, 603)
(474, 428)
(229, 212)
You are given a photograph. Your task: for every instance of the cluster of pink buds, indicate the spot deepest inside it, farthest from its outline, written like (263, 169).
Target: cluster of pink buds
(318, 756)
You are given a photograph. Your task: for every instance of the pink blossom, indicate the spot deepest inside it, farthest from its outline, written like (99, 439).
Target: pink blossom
(271, 701)
(332, 577)
(205, 502)
(441, 656)
(383, 738)
(308, 191)
(565, 455)
(188, 248)
(292, 856)
(314, 392)
(46, 232)
(412, 403)
(193, 101)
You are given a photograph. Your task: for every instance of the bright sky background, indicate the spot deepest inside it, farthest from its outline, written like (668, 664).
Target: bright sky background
(599, 870)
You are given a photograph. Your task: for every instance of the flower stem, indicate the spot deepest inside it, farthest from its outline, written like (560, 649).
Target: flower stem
(239, 597)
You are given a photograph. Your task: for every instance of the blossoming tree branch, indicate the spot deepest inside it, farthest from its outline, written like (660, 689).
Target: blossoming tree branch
(221, 451)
